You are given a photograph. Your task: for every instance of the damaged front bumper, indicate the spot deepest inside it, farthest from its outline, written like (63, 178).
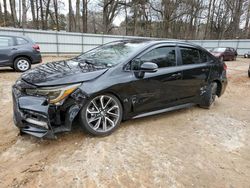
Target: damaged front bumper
(35, 116)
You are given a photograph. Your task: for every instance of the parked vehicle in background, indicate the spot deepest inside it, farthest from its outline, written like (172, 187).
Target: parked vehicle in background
(225, 53)
(18, 52)
(247, 55)
(117, 81)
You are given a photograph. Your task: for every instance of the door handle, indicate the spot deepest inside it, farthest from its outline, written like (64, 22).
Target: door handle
(14, 49)
(177, 75)
(205, 70)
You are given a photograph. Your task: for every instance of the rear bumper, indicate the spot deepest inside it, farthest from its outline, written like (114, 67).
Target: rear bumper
(34, 116)
(224, 83)
(36, 58)
(223, 88)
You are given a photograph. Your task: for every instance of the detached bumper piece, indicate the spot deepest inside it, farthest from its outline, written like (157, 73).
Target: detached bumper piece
(33, 115)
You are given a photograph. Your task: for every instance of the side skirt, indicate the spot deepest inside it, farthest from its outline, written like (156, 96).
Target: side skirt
(164, 110)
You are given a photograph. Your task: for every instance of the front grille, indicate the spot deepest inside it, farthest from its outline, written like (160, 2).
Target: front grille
(35, 118)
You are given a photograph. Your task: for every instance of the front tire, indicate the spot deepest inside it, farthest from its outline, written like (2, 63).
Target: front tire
(22, 64)
(101, 115)
(209, 96)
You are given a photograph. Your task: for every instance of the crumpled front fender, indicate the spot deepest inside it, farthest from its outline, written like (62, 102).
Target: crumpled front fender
(35, 116)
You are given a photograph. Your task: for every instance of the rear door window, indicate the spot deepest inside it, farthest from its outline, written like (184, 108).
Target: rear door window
(190, 56)
(6, 42)
(194, 56)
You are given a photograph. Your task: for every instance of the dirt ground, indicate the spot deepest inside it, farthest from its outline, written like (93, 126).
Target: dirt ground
(187, 148)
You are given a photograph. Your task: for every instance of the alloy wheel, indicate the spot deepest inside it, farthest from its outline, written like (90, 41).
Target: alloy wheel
(103, 113)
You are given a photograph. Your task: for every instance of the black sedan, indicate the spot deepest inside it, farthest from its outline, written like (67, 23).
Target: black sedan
(114, 82)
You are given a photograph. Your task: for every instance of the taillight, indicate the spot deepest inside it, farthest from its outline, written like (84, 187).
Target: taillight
(36, 47)
(224, 66)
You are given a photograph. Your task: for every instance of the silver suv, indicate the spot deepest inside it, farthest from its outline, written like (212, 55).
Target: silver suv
(18, 52)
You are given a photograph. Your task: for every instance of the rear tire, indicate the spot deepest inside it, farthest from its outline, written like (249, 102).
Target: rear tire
(101, 115)
(22, 64)
(209, 96)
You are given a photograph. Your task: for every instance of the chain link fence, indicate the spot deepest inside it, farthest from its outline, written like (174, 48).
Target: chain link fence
(67, 43)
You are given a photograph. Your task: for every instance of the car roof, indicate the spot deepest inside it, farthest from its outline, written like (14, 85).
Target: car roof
(15, 36)
(159, 41)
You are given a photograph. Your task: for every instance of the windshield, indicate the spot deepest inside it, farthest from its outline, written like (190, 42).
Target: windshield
(218, 50)
(111, 54)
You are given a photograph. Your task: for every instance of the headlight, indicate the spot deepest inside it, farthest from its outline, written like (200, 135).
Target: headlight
(54, 94)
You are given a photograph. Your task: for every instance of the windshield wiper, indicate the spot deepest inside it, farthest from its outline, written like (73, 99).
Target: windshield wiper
(92, 62)
(82, 60)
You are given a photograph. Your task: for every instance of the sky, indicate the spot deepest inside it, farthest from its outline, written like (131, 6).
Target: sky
(93, 5)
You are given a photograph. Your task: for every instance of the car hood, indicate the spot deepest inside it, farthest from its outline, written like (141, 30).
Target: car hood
(63, 72)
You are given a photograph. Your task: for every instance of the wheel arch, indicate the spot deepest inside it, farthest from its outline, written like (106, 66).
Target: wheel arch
(83, 120)
(25, 56)
(219, 87)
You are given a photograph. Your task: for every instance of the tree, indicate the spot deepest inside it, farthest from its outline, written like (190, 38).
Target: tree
(181, 19)
(71, 17)
(84, 16)
(13, 13)
(33, 12)
(78, 28)
(110, 10)
(236, 17)
(37, 13)
(5, 13)
(56, 14)
(1, 15)
(247, 20)
(47, 10)
(24, 14)
(42, 14)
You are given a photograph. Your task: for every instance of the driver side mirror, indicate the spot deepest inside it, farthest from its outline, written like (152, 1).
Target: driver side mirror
(149, 67)
(137, 65)
(140, 68)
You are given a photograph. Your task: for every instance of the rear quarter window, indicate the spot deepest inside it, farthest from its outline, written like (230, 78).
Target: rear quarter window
(205, 57)
(21, 41)
(6, 42)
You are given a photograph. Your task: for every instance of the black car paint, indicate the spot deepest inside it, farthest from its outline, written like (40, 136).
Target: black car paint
(166, 88)
(62, 73)
(10, 53)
